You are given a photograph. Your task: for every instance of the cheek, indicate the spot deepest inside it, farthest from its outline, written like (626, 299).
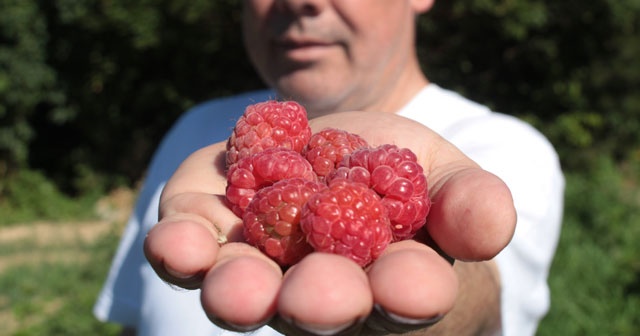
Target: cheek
(371, 42)
(255, 14)
(373, 49)
(254, 29)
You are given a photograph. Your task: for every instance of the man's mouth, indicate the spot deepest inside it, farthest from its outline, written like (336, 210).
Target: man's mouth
(295, 43)
(302, 49)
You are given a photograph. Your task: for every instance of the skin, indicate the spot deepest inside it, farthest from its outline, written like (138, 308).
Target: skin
(337, 56)
(197, 244)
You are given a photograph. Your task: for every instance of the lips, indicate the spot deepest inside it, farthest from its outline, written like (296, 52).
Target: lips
(302, 50)
(291, 43)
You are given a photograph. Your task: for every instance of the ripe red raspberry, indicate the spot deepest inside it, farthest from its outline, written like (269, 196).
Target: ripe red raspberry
(272, 220)
(263, 169)
(398, 178)
(327, 148)
(348, 219)
(266, 125)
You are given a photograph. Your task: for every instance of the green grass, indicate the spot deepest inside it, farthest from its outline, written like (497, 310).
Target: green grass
(55, 296)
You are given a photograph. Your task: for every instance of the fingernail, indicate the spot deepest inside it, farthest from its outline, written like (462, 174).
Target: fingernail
(179, 275)
(406, 320)
(295, 327)
(381, 319)
(188, 281)
(236, 327)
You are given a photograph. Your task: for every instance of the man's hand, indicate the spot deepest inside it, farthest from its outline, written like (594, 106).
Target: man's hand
(198, 243)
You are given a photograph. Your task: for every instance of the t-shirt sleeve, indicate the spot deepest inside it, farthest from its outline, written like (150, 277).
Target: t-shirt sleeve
(120, 298)
(124, 297)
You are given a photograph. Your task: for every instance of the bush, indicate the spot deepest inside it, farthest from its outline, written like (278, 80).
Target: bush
(30, 196)
(108, 78)
(27, 81)
(595, 278)
(88, 88)
(572, 68)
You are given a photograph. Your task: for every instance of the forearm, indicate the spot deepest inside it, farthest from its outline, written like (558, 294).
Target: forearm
(477, 310)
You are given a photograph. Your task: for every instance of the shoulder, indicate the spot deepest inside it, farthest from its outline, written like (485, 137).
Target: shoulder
(474, 127)
(212, 120)
(502, 144)
(440, 109)
(216, 115)
(204, 124)
(507, 146)
(497, 129)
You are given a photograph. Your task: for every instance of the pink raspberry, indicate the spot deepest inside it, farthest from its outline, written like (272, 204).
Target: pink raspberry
(262, 169)
(272, 220)
(348, 219)
(266, 125)
(398, 178)
(327, 148)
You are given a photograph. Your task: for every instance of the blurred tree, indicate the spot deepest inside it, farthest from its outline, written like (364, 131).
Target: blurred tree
(27, 82)
(87, 88)
(572, 68)
(128, 69)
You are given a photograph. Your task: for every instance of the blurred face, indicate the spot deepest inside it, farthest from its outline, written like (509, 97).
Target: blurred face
(334, 55)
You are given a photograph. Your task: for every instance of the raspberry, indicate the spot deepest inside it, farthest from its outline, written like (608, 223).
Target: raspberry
(327, 148)
(262, 169)
(272, 220)
(348, 219)
(398, 178)
(330, 191)
(266, 125)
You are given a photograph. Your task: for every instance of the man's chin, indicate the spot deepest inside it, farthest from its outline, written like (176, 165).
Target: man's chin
(311, 89)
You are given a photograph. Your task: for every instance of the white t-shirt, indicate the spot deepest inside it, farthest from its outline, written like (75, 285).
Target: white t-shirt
(134, 295)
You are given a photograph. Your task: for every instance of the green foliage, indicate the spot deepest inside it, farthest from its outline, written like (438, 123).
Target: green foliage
(88, 88)
(102, 81)
(595, 278)
(30, 196)
(26, 80)
(572, 68)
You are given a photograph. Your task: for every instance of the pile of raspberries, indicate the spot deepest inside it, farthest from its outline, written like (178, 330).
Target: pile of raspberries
(299, 192)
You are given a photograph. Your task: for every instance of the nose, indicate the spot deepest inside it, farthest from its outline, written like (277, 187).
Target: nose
(302, 7)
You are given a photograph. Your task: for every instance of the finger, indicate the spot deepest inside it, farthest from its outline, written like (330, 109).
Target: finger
(206, 209)
(472, 215)
(239, 293)
(412, 286)
(194, 220)
(381, 322)
(324, 294)
(181, 251)
(202, 172)
(291, 327)
(183, 246)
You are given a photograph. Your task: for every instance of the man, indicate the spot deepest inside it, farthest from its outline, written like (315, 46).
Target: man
(331, 56)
